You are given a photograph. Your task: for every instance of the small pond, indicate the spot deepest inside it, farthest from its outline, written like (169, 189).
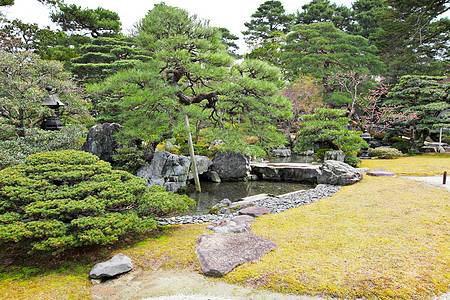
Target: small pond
(213, 193)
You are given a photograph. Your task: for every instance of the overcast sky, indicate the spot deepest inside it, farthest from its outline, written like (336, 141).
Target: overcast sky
(231, 14)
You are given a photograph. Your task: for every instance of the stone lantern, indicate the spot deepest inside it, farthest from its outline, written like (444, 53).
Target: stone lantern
(53, 102)
(365, 151)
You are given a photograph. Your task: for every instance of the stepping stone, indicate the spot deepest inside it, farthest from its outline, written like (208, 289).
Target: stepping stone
(218, 254)
(254, 211)
(381, 172)
(243, 219)
(227, 226)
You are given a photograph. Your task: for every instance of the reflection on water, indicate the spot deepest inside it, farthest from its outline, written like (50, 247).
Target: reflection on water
(212, 193)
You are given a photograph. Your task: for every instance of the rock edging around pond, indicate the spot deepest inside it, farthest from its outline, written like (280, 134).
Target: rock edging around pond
(275, 204)
(174, 171)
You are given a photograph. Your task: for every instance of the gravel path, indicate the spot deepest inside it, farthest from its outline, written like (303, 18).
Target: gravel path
(433, 180)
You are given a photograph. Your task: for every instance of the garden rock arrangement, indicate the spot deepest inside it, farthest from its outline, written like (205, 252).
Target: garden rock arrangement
(101, 141)
(218, 254)
(172, 171)
(338, 173)
(230, 165)
(117, 265)
(286, 171)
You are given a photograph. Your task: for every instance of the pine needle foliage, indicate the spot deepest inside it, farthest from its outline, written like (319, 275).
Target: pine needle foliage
(65, 199)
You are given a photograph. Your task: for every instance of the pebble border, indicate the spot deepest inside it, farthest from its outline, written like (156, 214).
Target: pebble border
(276, 204)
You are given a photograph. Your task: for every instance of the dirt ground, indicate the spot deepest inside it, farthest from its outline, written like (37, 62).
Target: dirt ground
(139, 284)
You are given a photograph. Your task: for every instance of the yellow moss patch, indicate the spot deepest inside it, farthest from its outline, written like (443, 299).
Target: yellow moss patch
(382, 238)
(421, 165)
(174, 248)
(15, 284)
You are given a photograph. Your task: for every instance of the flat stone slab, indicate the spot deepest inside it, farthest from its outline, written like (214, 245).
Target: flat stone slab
(229, 226)
(254, 211)
(381, 172)
(218, 253)
(255, 197)
(117, 265)
(295, 172)
(243, 219)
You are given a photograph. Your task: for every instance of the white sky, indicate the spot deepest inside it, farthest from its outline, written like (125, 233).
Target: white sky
(231, 14)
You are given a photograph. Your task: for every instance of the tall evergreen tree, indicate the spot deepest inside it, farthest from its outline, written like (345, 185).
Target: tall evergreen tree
(429, 98)
(268, 20)
(229, 40)
(105, 56)
(191, 73)
(96, 22)
(412, 40)
(320, 48)
(323, 11)
(367, 15)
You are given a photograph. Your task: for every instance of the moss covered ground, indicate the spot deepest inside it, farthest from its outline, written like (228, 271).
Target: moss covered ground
(383, 238)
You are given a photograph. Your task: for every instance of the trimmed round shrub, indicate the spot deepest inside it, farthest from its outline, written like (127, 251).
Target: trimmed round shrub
(64, 199)
(387, 153)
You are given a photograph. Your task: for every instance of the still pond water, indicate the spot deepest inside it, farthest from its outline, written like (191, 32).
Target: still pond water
(213, 193)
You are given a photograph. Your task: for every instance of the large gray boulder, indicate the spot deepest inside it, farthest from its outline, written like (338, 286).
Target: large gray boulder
(101, 141)
(172, 171)
(230, 165)
(220, 253)
(297, 172)
(117, 265)
(338, 173)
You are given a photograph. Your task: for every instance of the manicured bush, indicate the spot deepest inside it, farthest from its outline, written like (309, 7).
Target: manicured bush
(64, 199)
(129, 159)
(388, 153)
(14, 151)
(352, 160)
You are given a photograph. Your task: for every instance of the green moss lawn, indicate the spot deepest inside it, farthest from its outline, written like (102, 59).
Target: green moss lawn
(383, 238)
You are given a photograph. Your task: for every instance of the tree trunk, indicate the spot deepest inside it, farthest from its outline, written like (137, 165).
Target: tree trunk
(21, 129)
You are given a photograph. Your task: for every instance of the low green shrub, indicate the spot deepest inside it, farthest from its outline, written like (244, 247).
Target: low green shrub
(129, 159)
(198, 150)
(402, 146)
(352, 160)
(64, 199)
(388, 153)
(14, 151)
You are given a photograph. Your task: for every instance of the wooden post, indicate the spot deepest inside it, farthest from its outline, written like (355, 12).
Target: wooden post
(191, 152)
